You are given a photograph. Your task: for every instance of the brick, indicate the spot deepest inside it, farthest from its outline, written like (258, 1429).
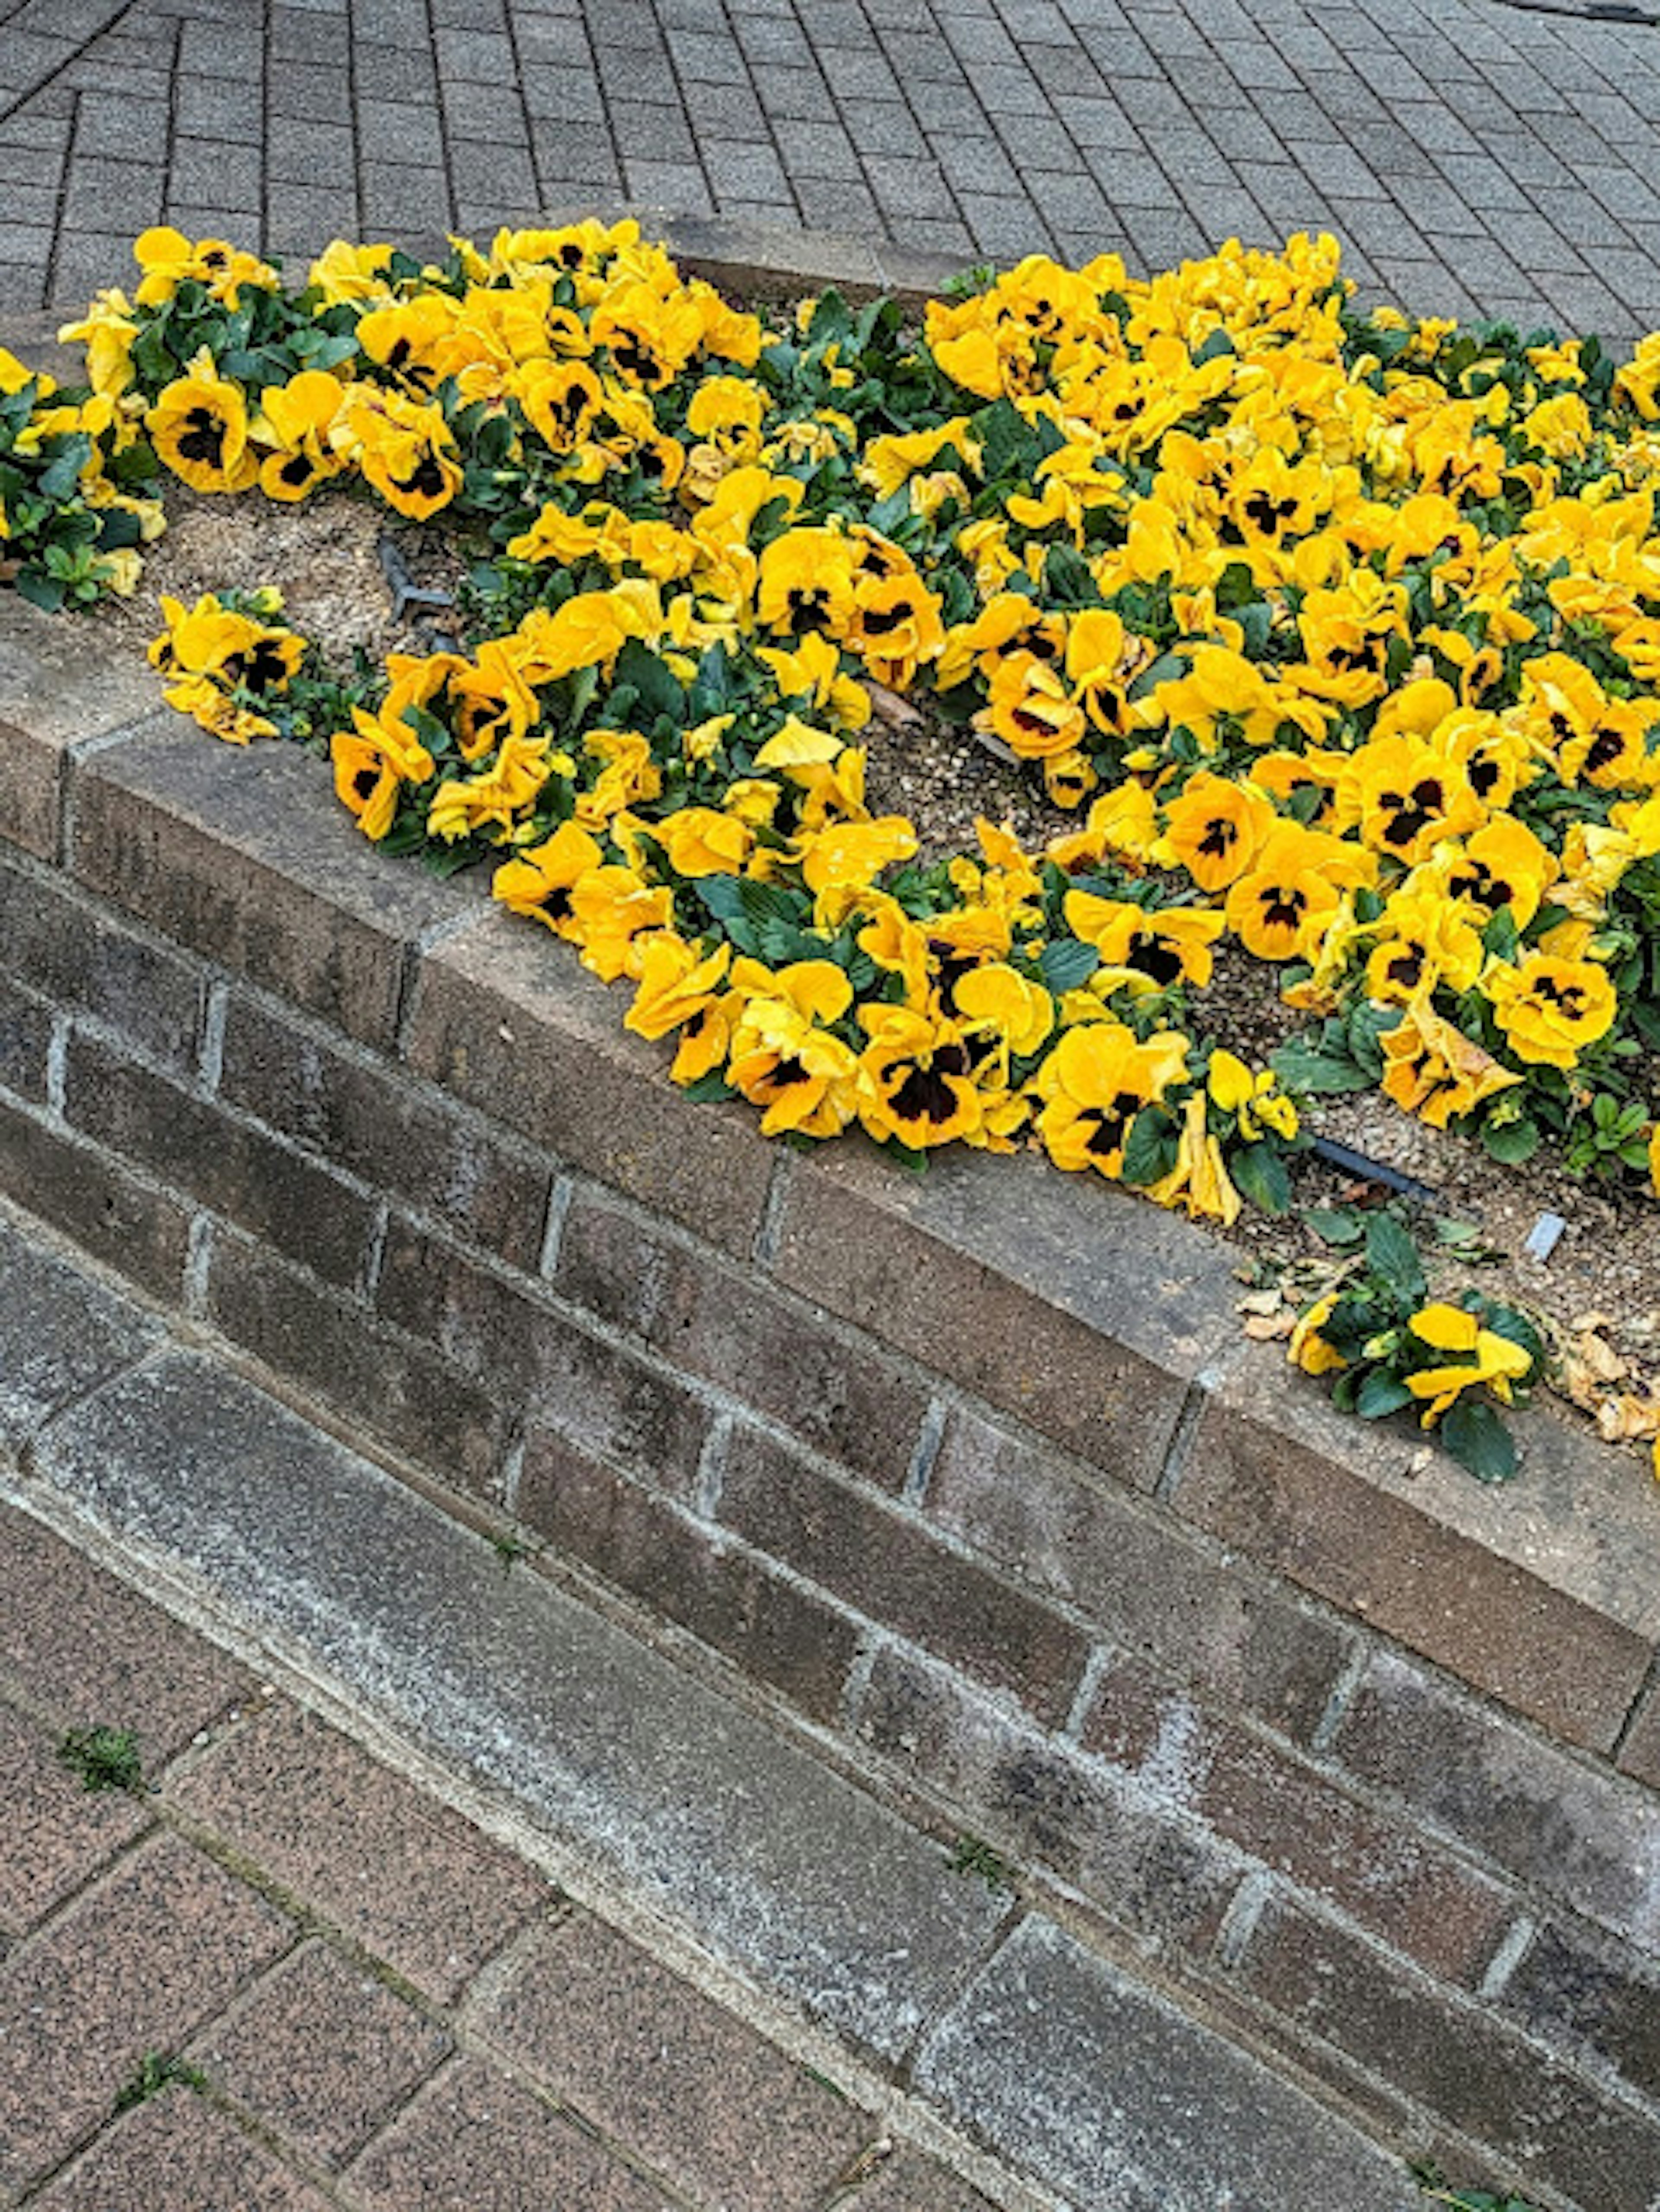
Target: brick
(1287, 1814)
(1596, 2001)
(423, 1406)
(1159, 1876)
(1528, 1595)
(845, 1397)
(81, 959)
(477, 2139)
(1112, 2080)
(512, 1024)
(134, 1964)
(176, 2150)
(89, 1651)
(1146, 1584)
(245, 856)
(406, 1142)
(895, 1572)
(194, 1146)
(410, 1879)
(1546, 2125)
(60, 684)
(322, 2052)
(58, 1832)
(603, 1400)
(1576, 1831)
(1640, 1754)
(787, 1637)
(93, 1202)
(724, 2117)
(1047, 1296)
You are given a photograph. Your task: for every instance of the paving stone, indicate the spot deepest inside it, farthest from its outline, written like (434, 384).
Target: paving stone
(87, 1649)
(1127, 2106)
(175, 2150)
(613, 1747)
(58, 1833)
(135, 1965)
(646, 2060)
(321, 2051)
(476, 2141)
(910, 2183)
(416, 1885)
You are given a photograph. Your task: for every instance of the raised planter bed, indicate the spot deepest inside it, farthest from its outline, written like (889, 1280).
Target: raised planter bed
(970, 1478)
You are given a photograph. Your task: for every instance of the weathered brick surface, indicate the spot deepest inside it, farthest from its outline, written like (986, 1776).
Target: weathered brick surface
(212, 850)
(514, 1026)
(135, 1965)
(321, 2051)
(850, 1400)
(57, 1833)
(1284, 1812)
(421, 1404)
(718, 2112)
(1546, 2123)
(1576, 1831)
(192, 1146)
(1593, 2000)
(25, 1038)
(412, 1881)
(406, 1142)
(1640, 1755)
(177, 2151)
(1299, 1490)
(94, 1201)
(61, 1334)
(1156, 1872)
(88, 1651)
(78, 957)
(1015, 1285)
(59, 684)
(892, 1570)
(476, 2138)
(1135, 1571)
(772, 1629)
(602, 1399)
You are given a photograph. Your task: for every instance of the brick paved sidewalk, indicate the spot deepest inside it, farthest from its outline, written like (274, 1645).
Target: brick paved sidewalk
(1473, 155)
(371, 2005)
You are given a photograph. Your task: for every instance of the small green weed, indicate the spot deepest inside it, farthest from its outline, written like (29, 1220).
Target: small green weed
(104, 1757)
(509, 1550)
(158, 2070)
(972, 1856)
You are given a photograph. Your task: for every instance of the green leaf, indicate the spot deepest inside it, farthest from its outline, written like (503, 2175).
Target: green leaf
(1151, 1150)
(1391, 1254)
(39, 589)
(1339, 1226)
(1473, 1435)
(1260, 1172)
(655, 687)
(1510, 1143)
(1067, 963)
(1381, 1394)
(1309, 1067)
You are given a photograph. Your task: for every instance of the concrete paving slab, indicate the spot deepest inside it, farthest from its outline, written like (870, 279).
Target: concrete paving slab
(60, 1336)
(1129, 2106)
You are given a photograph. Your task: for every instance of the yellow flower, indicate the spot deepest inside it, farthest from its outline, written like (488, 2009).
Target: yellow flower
(1551, 1009)
(1491, 1358)
(1308, 1349)
(1094, 1083)
(200, 427)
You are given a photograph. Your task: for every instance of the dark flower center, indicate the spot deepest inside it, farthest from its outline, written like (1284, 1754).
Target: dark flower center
(202, 438)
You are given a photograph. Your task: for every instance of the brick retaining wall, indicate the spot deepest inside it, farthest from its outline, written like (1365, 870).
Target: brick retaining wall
(970, 1474)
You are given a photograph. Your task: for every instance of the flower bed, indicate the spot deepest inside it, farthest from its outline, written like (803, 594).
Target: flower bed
(1339, 623)
(971, 1475)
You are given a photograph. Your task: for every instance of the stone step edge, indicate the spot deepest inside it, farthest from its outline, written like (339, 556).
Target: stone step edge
(185, 1591)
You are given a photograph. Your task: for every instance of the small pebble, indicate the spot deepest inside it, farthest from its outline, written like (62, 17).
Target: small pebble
(1543, 1237)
